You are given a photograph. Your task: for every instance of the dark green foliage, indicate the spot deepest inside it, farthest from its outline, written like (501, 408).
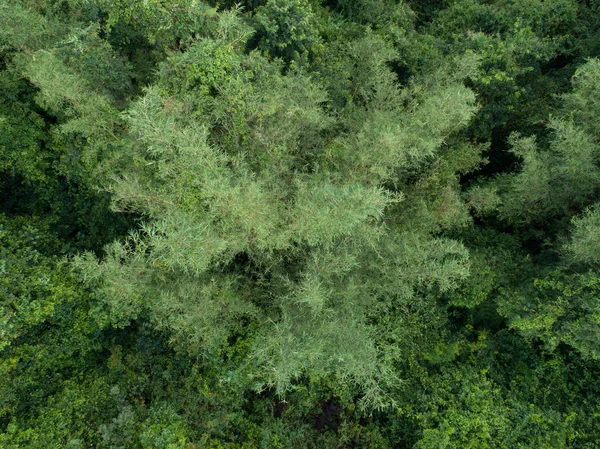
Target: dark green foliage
(287, 29)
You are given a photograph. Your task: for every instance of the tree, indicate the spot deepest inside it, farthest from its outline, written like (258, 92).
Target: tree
(251, 225)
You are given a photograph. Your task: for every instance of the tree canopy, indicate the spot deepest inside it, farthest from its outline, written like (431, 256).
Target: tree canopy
(299, 224)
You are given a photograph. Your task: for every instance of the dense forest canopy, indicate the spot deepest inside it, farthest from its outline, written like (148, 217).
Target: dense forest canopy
(299, 224)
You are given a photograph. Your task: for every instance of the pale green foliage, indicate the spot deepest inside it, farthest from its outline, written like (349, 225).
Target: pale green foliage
(346, 208)
(409, 262)
(227, 161)
(94, 60)
(333, 343)
(484, 199)
(22, 28)
(584, 245)
(79, 76)
(274, 121)
(556, 181)
(371, 80)
(565, 177)
(584, 102)
(87, 119)
(394, 142)
(68, 95)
